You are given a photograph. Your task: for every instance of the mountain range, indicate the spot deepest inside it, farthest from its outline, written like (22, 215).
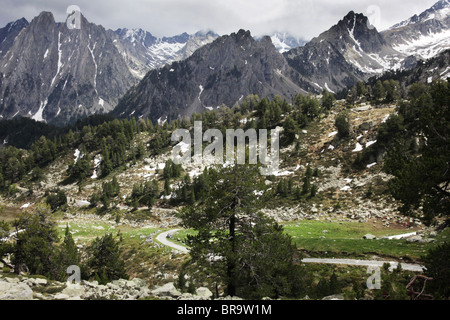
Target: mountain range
(51, 73)
(425, 35)
(57, 75)
(222, 72)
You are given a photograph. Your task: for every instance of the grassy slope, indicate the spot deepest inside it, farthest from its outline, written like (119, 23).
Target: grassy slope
(344, 239)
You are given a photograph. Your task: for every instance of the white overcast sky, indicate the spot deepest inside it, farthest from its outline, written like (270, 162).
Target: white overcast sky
(301, 18)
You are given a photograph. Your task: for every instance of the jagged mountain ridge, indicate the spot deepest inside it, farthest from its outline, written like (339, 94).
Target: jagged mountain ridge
(353, 50)
(348, 52)
(423, 36)
(142, 51)
(9, 33)
(284, 41)
(222, 72)
(58, 75)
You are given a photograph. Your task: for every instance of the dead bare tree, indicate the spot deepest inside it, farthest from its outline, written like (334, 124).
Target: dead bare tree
(416, 295)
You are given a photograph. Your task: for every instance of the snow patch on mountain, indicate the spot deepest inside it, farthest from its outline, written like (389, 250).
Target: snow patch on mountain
(38, 115)
(426, 46)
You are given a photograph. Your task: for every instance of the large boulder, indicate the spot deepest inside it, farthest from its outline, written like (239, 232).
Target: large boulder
(74, 290)
(15, 291)
(204, 293)
(136, 283)
(167, 290)
(419, 239)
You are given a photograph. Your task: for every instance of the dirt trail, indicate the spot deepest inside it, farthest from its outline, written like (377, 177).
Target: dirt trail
(162, 237)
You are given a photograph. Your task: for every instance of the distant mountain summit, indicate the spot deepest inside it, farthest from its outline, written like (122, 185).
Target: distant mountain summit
(143, 52)
(439, 11)
(283, 41)
(222, 72)
(348, 52)
(425, 35)
(57, 75)
(53, 74)
(9, 33)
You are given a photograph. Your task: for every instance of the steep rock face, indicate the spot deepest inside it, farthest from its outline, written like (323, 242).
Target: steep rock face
(9, 33)
(133, 46)
(195, 42)
(350, 51)
(423, 36)
(57, 75)
(143, 52)
(223, 72)
(284, 41)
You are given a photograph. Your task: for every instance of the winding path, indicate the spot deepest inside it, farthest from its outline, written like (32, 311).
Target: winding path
(365, 263)
(162, 237)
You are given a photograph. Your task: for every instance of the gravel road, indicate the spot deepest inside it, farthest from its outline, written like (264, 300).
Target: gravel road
(162, 237)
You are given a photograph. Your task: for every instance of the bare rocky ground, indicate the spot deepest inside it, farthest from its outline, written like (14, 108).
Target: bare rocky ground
(28, 288)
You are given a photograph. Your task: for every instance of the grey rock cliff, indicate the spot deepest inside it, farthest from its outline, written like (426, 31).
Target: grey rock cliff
(425, 35)
(350, 51)
(222, 72)
(58, 75)
(9, 33)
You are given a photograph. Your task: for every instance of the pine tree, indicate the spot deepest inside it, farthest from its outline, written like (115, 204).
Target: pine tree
(2, 181)
(36, 246)
(167, 190)
(256, 257)
(192, 197)
(361, 89)
(313, 191)
(343, 125)
(289, 132)
(307, 181)
(328, 100)
(298, 193)
(6, 248)
(105, 262)
(69, 252)
(140, 152)
(106, 166)
(379, 92)
(422, 181)
(290, 185)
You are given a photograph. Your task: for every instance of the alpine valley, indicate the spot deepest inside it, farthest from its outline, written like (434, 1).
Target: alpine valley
(93, 121)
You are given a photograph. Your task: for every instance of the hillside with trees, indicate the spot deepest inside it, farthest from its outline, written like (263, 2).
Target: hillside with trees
(96, 195)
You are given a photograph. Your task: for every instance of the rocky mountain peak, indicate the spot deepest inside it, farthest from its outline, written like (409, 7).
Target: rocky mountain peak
(136, 35)
(45, 17)
(284, 41)
(242, 34)
(439, 11)
(222, 72)
(57, 75)
(348, 52)
(143, 52)
(424, 35)
(9, 33)
(266, 41)
(18, 24)
(355, 29)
